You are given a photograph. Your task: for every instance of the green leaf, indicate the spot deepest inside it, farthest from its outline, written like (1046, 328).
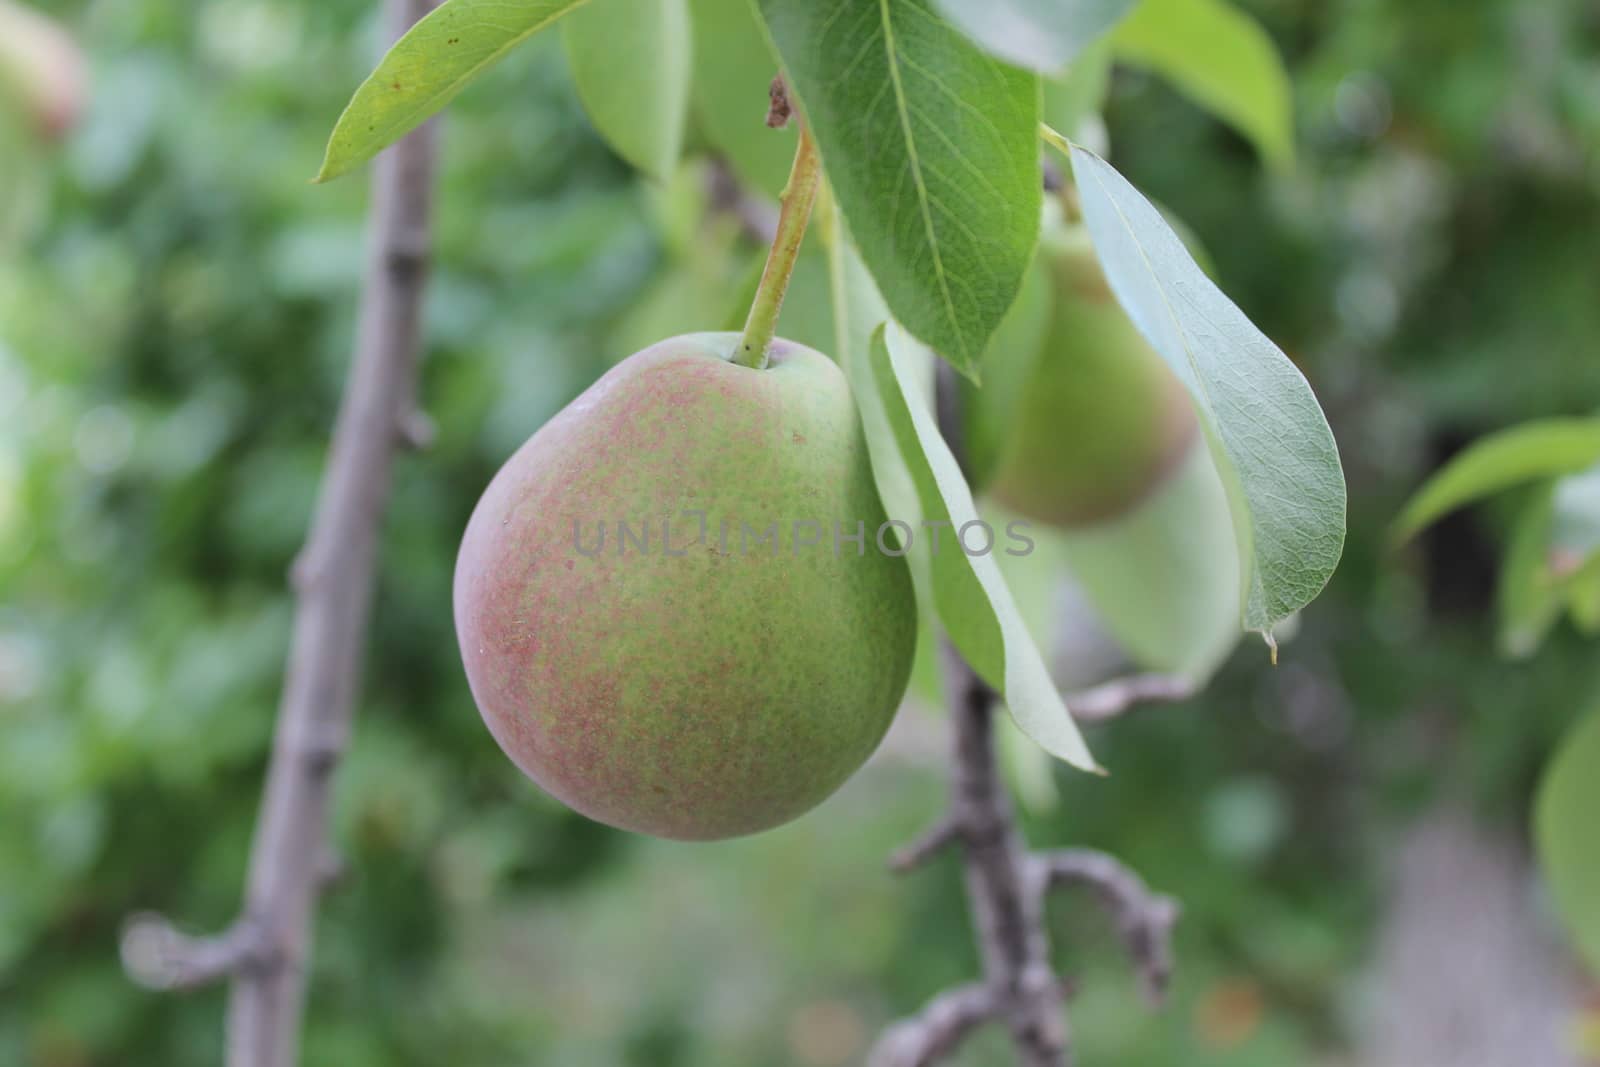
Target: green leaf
(631, 63)
(1042, 35)
(733, 68)
(1164, 578)
(1036, 579)
(441, 55)
(930, 149)
(988, 411)
(1564, 828)
(858, 311)
(1268, 436)
(920, 481)
(1222, 59)
(1028, 768)
(969, 594)
(1539, 449)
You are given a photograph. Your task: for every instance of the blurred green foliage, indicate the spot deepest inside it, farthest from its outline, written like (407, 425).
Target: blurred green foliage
(176, 309)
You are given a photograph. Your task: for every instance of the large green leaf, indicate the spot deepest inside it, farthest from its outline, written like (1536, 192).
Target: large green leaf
(858, 311)
(1268, 436)
(1164, 578)
(930, 148)
(733, 67)
(441, 55)
(921, 482)
(1042, 35)
(1568, 842)
(1221, 58)
(1541, 449)
(630, 60)
(970, 595)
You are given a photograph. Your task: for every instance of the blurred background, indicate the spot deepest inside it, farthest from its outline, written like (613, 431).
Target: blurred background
(1347, 832)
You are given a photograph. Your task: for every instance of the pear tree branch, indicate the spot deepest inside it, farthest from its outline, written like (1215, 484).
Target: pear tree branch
(1007, 883)
(1144, 919)
(266, 953)
(938, 1030)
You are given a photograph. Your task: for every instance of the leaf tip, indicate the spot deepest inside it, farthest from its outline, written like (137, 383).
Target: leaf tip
(966, 367)
(329, 170)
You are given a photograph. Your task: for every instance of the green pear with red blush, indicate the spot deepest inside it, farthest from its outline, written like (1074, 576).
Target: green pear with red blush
(1078, 419)
(672, 604)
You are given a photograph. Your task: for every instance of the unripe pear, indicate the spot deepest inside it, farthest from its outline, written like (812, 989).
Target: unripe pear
(686, 677)
(1080, 424)
(1078, 419)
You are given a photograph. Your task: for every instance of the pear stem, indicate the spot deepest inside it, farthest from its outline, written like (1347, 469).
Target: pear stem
(798, 196)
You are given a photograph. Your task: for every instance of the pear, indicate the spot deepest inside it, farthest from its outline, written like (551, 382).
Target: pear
(1078, 418)
(1080, 425)
(666, 615)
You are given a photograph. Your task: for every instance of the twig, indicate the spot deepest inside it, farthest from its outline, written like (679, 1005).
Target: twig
(945, 832)
(266, 953)
(1023, 991)
(159, 956)
(1006, 886)
(938, 1030)
(1144, 919)
(1113, 698)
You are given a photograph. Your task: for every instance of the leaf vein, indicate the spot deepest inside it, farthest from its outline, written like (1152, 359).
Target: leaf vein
(904, 112)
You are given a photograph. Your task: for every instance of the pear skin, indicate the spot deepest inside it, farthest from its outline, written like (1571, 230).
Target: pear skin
(637, 643)
(1078, 419)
